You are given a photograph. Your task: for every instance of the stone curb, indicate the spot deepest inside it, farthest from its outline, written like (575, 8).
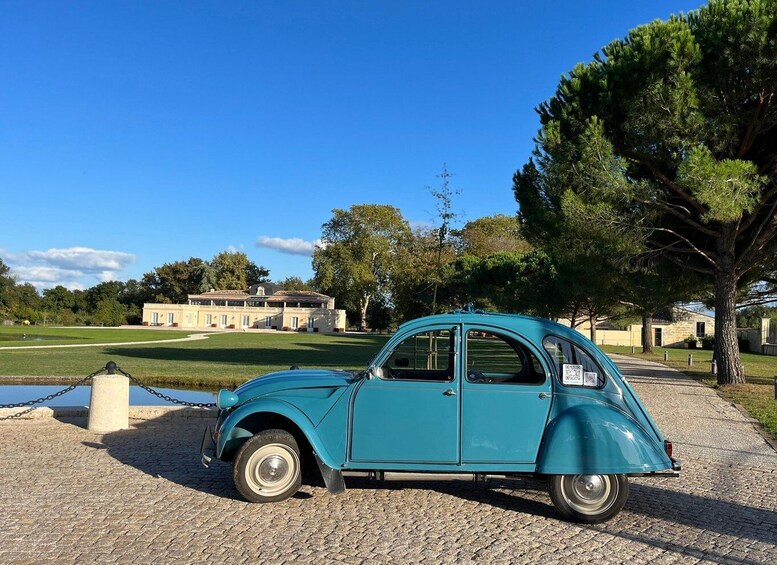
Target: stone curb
(135, 412)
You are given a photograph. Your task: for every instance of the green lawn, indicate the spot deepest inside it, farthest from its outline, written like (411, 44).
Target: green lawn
(40, 335)
(224, 359)
(756, 396)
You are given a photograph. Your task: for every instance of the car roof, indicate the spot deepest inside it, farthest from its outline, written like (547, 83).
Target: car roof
(529, 326)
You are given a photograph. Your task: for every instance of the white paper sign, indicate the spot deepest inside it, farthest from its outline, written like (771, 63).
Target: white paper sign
(572, 375)
(590, 379)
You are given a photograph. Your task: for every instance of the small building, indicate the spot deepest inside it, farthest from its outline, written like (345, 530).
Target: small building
(263, 307)
(669, 330)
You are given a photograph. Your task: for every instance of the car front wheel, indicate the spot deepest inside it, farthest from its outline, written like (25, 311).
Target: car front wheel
(588, 498)
(268, 467)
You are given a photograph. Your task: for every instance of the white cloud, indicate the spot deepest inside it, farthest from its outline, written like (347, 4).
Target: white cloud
(72, 267)
(291, 245)
(48, 277)
(420, 224)
(44, 274)
(84, 258)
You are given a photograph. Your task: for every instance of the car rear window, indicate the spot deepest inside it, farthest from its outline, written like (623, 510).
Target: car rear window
(574, 366)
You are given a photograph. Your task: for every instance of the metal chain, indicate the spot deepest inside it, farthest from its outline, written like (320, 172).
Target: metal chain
(164, 396)
(31, 403)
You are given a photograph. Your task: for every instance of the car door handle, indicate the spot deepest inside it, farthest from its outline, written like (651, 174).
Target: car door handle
(543, 395)
(449, 392)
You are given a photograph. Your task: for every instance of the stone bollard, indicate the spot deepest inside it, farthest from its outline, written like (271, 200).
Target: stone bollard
(714, 367)
(109, 404)
(690, 359)
(666, 355)
(632, 349)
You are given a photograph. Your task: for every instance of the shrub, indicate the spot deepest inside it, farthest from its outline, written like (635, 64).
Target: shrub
(708, 342)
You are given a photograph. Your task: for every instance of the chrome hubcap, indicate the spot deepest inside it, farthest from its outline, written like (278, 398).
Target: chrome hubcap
(589, 487)
(589, 494)
(272, 469)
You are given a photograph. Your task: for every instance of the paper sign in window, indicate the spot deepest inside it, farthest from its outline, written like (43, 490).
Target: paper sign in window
(572, 375)
(590, 379)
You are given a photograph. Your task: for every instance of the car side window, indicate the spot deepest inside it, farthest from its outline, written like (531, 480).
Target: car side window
(574, 366)
(500, 359)
(425, 356)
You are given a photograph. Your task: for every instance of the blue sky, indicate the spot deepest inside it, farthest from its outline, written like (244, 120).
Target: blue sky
(137, 133)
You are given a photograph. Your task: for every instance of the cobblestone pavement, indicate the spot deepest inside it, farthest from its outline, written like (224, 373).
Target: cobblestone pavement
(141, 496)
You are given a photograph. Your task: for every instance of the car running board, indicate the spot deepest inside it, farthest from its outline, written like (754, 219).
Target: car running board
(335, 483)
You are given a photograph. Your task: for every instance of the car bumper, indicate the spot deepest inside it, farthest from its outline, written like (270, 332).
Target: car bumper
(208, 447)
(677, 466)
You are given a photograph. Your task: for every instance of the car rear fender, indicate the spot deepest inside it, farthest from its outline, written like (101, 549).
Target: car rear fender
(247, 420)
(598, 438)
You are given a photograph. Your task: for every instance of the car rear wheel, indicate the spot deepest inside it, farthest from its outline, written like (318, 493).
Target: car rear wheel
(268, 467)
(588, 498)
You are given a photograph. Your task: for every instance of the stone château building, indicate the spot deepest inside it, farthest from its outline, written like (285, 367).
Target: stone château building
(263, 306)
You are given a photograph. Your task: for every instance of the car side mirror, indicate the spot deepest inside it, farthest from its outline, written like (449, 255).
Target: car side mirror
(375, 373)
(401, 362)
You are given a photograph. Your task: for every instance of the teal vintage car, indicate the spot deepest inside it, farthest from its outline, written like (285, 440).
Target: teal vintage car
(470, 394)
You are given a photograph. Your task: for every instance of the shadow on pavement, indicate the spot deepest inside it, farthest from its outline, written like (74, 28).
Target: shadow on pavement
(721, 516)
(168, 448)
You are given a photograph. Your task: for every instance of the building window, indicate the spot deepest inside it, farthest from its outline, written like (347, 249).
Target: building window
(155, 318)
(238, 303)
(223, 320)
(190, 320)
(294, 322)
(170, 318)
(208, 319)
(268, 322)
(311, 321)
(700, 329)
(246, 321)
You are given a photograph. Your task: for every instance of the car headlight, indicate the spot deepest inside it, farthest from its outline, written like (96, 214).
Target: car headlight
(226, 399)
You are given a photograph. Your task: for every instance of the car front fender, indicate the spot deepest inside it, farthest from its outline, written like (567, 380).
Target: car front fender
(235, 431)
(595, 438)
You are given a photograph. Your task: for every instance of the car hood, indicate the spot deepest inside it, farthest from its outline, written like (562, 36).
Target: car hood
(293, 380)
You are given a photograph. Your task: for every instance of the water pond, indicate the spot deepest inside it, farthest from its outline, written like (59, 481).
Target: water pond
(16, 393)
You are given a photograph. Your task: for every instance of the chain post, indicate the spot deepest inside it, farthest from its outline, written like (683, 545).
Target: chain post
(111, 368)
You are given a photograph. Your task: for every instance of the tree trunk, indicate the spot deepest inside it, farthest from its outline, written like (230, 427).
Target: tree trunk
(363, 303)
(726, 347)
(647, 332)
(592, 330)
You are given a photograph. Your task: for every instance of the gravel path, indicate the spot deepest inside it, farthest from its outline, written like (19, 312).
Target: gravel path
(141, 496)
(191, 337)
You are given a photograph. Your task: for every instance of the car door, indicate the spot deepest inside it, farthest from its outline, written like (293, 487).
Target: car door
(506, 397)
(409, 411)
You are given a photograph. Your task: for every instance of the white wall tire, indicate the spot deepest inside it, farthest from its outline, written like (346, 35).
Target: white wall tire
(268, 467)
(588, 498)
